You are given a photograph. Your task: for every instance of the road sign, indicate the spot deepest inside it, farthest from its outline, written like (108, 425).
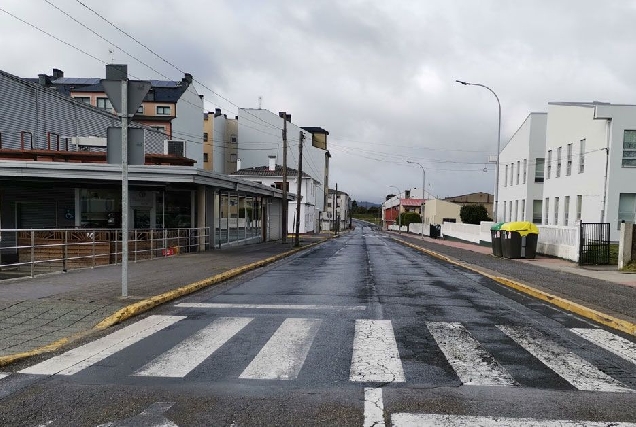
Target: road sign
(136, 155)
(137, 90)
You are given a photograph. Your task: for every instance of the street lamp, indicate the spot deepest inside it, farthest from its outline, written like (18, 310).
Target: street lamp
(423, 187)
(399, 205)
(498, 141)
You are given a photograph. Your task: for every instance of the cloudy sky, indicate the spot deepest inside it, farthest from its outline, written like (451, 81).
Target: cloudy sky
(378, 75)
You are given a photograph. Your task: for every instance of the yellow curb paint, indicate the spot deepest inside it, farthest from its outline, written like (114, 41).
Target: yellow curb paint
(150, 303)
(573, 307)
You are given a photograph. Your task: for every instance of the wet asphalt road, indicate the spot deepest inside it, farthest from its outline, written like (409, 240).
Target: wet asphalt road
(307, 340)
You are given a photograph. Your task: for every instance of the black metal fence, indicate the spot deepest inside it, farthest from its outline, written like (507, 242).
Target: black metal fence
(594, 246)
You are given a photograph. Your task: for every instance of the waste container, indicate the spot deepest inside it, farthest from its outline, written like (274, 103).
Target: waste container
(519, 240)
(495, 237)
(435, 231)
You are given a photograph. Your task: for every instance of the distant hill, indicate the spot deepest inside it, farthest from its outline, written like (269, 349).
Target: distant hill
(369, 205)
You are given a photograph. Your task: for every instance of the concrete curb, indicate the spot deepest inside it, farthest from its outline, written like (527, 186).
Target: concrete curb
(573, 307)
(142, 306)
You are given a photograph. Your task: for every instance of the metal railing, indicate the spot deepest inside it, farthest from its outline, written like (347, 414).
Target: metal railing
(29, 251)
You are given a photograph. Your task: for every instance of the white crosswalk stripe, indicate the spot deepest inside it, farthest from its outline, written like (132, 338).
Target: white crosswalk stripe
(284, 354)
(84, 356)
(186, 356)
(375, 354)
(472, 363)
(572, 368)
(4, 374)
(610, 342)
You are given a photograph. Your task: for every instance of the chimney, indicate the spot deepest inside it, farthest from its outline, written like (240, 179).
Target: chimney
(187, 79)
(217, 112)
(282, 115)
(57, 73)
(272, 163)
(238, 164)
(44, 80)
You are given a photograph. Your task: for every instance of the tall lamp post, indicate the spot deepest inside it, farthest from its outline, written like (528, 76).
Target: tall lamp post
(498, 141)
(423, 190)
(399, 205)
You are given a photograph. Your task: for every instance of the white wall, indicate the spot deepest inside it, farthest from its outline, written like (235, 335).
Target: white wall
(188, 125)
(528, 144)
(262, 129)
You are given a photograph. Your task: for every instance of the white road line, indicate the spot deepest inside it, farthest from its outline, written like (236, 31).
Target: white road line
(184, 357)
(273, 306)
(375, 354)
(4, 374)
(373, 408)
(434, 420)
(472, 363)
(282, 357)
(82, 357)
(610, 342)
(572, 368)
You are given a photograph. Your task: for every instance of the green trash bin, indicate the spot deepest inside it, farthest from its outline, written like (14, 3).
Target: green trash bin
(495, 237)
(519, 240)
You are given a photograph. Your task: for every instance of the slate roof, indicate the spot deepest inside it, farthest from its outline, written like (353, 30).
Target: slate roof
(163, 90)
(264, 171)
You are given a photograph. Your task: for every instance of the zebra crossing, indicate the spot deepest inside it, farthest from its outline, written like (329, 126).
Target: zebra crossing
(375, 352)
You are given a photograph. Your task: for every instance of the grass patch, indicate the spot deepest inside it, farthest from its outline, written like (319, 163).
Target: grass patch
(370, 218)
(630, 267)
(613, 255)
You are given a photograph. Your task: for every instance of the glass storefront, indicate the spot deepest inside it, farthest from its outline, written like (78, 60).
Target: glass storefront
(176, 212)
(100, 208)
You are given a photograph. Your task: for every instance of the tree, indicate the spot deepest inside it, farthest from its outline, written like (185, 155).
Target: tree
(474, 214)
(410, 218)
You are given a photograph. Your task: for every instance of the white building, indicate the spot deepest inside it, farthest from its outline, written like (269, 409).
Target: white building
(260, 136)
(590, 166)
(521, 171)
(272, 176)
(337, 215)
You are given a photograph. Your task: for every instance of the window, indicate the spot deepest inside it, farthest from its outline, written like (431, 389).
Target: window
(536, 211)
(556, 211)
(205, 137)
(159, 128)
(579, 206)
(505, 205)
(629, 148)
(205, 157)
(233, 139)
(566, 210)
(538, 170)
(558, 171)
(549, 168)
(546, 209)
(104, 104)
(140, 110)
(626, 208)
(525, 169)
(83, 99)
(518, 167)
(163, 110)
(568, 168)
(516, 210)
(582, 157)
(506, 180)
(512, 173)
(522, 216)
(510, 213)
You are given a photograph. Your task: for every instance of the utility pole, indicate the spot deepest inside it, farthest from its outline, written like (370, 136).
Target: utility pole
(124, 187)
(285, 203)
(335, 203)
(301, 138)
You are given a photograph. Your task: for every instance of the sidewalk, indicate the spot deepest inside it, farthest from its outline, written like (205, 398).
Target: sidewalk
(600, 288)
(49, 310)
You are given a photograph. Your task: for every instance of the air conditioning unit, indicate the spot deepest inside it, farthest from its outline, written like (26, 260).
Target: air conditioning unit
(174, 147)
